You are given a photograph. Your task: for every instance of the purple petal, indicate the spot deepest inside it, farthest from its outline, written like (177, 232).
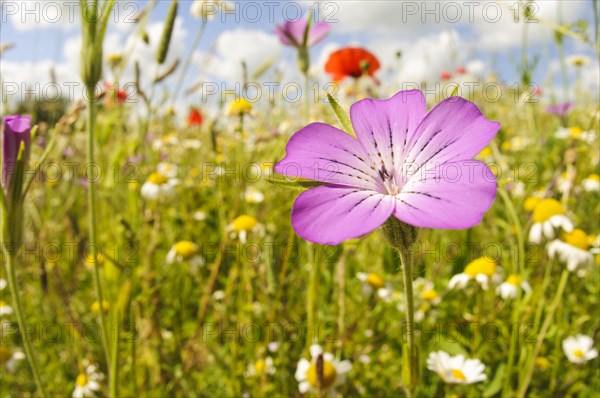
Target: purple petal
(318, 32)
(384, 127)
(450, 196)
(291, 33)
(323, 153)
(561, 110)
(330, 214)
(16, 130)
(453, 130)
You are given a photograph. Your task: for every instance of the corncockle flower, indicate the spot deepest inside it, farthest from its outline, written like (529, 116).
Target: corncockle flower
(456, 369)
(291, 33)
(579, 349)
(16, 131)
(560, 110)
(406, 163)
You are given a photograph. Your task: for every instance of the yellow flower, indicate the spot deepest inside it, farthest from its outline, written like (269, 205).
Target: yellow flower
(244, 223)
(375, 281)
(575, 132)
(157, 179)
(514, 279)
(506, 146)
(89, 260)
(429, 295)
(531, 203)
(483, 265)
(542, 363)
(185, 249)
(329, 374)
(96, 307)
(546, 209)
(485, 152)
(577, 238)
(239, 107)
(114, 59)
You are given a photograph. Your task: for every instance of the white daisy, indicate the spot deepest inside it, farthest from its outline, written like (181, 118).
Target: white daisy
(548, 215)
(168, 170)
(591, 183)
(199, 215)
(456, 369)
(242, 226)
(261, 367)
(87, 384)
(167, 140)
(332, 372)
(480, 270)
(573, 249)
(9, 359)
(374, 283)
(5, 309)
(579, 349)
(185, 251)
(254, 196)
(158, 187)
(509, 289)
(2, 283)
(575, 133)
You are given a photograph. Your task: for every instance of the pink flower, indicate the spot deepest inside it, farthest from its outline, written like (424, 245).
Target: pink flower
(291, 33)
(408, 163)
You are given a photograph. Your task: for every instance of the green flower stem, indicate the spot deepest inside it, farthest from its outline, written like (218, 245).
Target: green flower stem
(553, 306)
(520, 268)
(12, 283)
(91, 193)
(313, 287)
(406, 262)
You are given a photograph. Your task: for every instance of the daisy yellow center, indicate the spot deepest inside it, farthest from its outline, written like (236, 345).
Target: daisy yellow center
(81, 380)
(244, 223)
(546, 209)
(542, 363)
(157, 179)
(575, 131)
(578, 353)
(429, 294)
(329, 375)
(531, 203)
(482, 265)
(260, 366)
(2, 304)
(577, 238)
(5, 354)
(458, 374)
(594, 177)
(185, 249)
(375, 281)
(514, 280)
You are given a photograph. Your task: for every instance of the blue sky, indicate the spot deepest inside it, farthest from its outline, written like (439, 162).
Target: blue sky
(476, 39)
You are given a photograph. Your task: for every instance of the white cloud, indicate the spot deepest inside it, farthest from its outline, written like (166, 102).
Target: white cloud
(254, 47)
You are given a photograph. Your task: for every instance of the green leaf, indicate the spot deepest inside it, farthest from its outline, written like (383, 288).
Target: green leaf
(341, 115)
(496, 384)
(300, 185)
(455, 91)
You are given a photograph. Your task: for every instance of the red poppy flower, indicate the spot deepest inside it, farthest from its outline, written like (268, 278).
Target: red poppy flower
(461, 70)
(351, 61)
(119, 96)
(194, 118)
(445, 75)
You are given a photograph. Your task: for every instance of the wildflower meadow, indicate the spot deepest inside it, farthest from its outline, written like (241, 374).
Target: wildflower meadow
(300, 198)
